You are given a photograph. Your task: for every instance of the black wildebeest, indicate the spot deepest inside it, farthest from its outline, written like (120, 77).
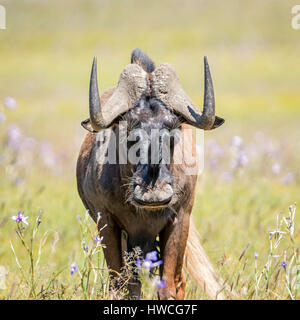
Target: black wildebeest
(146, 200)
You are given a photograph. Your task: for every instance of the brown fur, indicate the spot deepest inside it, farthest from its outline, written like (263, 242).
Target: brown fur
(101, 188)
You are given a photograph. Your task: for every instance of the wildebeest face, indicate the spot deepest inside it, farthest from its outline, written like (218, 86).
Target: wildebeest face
(142, 98)
(153, 131)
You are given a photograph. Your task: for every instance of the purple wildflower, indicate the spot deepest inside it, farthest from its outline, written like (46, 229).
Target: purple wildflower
(276, 168)
(255, 255)
(152, 256)
(215, 151)
(98, 239)
(47, 154)
(288, 178)
(236, 141)
(157, 263)
(10, 103)
(20, 217)
(227, 176)
(139, 264)
(289, 222)
(214, 148)
(14, 137)
(241, 160)
(19, 181)
(283, 264)
(74, 268)
(160, 284)
(150, 262)
(84, 246)
(2, 117)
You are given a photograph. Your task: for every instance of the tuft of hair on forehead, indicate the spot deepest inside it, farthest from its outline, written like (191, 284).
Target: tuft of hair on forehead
(140, 57)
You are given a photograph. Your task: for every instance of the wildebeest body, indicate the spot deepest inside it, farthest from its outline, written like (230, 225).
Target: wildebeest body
(145, 200)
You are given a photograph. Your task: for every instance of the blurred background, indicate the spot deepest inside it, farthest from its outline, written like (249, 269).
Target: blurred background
(251, 163)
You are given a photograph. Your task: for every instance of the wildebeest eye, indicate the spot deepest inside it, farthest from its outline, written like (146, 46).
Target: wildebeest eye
(175, 123)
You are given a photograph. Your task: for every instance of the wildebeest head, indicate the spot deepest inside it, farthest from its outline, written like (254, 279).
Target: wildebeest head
(152, 132)
(154, 106)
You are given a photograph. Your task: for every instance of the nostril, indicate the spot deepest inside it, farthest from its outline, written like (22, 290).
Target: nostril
(153, 171)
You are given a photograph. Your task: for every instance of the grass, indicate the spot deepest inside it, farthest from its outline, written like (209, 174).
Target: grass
(46, 53)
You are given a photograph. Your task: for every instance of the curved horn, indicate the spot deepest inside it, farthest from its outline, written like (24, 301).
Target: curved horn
(132, 84)
(94, 99)
(168, 89)
(207, 118)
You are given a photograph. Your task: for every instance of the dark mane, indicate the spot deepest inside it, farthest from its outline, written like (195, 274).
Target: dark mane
(139, 57)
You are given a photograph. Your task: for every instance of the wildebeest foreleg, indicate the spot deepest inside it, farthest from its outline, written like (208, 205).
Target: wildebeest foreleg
(112, 251)
(173, 241)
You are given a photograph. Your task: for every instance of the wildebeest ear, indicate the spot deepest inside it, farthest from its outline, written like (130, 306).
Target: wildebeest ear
(88, 126)
(218, 122)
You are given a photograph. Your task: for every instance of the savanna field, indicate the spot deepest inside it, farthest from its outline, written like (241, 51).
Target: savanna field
(245, 206)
